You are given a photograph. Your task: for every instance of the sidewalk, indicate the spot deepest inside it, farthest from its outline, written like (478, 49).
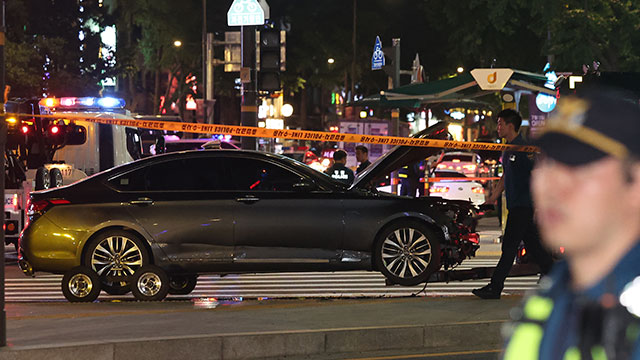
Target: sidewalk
(251, 329)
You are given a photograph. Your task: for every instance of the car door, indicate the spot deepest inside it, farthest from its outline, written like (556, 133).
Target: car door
(185, 206)
(284, 216)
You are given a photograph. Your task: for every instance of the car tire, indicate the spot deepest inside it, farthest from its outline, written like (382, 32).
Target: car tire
(182, 284)
(81, 284)
(407, 252)
(150, 283)
(115, 271)
(55, 178)
(43, 180)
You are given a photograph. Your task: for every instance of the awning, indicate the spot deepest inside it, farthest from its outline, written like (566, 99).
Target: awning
(457, 88)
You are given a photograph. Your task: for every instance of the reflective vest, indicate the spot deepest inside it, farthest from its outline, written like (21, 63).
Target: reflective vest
(526, 338)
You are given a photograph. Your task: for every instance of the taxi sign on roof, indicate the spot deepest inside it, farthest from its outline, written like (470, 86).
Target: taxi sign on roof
(245, 13)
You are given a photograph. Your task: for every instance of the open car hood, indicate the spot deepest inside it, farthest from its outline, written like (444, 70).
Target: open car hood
(401, 156)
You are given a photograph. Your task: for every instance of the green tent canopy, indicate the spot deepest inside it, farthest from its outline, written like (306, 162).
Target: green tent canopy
(457, 88)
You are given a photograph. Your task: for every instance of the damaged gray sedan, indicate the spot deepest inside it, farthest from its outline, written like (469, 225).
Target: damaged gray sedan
(151, 226)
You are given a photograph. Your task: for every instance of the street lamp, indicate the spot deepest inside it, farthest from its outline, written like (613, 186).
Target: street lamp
(177, 43)
(331, 60)
(287, 110)
(460, 69)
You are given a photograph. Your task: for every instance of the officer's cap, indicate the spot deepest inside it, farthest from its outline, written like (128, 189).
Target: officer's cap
(594, 124)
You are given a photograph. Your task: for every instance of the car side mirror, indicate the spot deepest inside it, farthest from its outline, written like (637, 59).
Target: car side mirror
(304, 185)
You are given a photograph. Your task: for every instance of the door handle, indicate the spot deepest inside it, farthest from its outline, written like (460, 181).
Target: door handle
(248, 199)
(141, 201)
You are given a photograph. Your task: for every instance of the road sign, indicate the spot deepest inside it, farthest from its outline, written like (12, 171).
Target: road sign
(245, 75)
(492, 79)
(245, 13)
(377, 60)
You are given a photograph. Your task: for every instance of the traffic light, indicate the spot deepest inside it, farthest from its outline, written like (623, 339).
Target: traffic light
(269, 75)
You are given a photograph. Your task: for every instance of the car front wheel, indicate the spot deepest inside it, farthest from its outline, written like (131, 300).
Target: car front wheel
(115, 256)
(407, 253)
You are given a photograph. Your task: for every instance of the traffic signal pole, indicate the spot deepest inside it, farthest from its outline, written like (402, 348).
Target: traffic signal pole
(249, 107)
(3, 142)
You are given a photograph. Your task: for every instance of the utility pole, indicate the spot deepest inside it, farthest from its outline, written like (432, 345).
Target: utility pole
(204, 60)
(353, 63)
(249, 108)
(3, 142)
(209, 93)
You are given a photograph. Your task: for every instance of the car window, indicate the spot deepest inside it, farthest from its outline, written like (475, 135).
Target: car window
(461, 158)
(449, 174)
(259, 175)
(193, 174)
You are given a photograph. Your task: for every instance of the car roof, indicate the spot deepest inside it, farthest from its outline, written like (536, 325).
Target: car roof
(459, 153)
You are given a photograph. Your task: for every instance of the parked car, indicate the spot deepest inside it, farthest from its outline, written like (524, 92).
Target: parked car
(454, 185)
(151, 226)
(173, 144)
(464, 162)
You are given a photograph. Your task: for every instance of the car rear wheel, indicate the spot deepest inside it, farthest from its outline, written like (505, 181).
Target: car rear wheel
(115, 256)
(55, 177)
(150, 283)
(182, 284)
(43, 181)
(407, 253)
(81, 284)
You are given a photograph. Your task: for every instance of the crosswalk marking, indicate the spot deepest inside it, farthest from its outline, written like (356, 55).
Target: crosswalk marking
(345, 284)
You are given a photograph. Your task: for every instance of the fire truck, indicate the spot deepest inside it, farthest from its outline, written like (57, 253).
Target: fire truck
(56, 150)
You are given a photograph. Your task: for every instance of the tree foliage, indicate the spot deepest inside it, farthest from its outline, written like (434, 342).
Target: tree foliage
(44, 56)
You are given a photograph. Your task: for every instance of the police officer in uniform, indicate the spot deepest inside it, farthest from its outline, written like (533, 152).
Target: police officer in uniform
(586, 189)
(520, 224)
(362, 156)
(339, 171)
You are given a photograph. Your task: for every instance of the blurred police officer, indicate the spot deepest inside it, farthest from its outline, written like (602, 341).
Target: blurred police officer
(362, 156)
(586, 189)
(339, 171)
(520, 224)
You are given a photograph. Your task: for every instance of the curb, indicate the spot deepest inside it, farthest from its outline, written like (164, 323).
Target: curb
(261, 345)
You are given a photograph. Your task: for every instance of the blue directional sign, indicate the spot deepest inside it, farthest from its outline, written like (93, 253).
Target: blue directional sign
(377, 60)
(245, 13)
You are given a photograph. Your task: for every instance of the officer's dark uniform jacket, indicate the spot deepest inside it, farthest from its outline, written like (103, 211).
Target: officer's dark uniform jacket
(598, 323)
(517, 176)
(341, 173)
(363, 165)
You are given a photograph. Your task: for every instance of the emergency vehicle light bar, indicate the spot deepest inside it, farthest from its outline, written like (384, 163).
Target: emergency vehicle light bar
(83, 102)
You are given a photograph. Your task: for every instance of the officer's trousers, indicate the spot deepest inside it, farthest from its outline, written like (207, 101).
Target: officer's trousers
(520, 227)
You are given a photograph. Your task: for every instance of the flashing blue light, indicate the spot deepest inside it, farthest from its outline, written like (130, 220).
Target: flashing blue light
(110, 102)
(87, 101)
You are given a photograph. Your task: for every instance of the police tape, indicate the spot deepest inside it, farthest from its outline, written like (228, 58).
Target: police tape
(453, 179)
(250, 131)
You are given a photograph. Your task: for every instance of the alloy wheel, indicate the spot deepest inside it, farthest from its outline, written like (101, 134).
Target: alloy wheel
(116, 257)
(406, 253)
(149, 284)
(80, 285)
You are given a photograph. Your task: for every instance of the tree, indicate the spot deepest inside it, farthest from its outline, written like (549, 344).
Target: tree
(581, 32)
(44, 57)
